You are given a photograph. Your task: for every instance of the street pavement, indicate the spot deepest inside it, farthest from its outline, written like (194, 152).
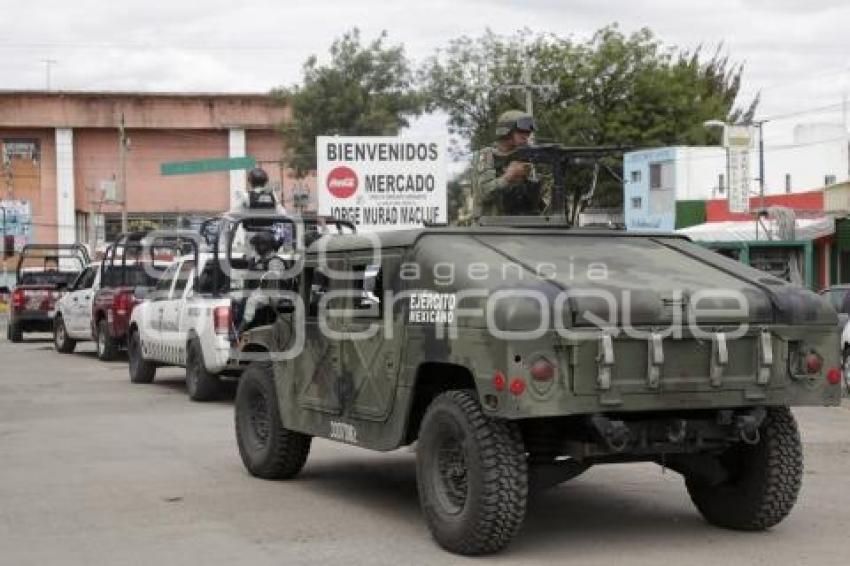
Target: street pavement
(96, 470)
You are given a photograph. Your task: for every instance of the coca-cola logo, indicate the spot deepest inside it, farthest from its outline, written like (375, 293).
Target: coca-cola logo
(342, 182)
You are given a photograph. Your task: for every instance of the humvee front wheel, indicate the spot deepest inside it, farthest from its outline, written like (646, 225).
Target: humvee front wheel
(472, 475)
(763, 479)
(268, 449)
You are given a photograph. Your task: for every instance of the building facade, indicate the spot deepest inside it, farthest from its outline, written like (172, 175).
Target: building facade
(657, 181)
(61, 167)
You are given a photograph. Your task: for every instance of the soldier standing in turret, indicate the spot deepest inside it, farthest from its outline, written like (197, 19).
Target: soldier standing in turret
(508, 190)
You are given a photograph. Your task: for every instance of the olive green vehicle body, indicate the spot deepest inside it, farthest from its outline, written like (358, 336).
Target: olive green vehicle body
(664, 344)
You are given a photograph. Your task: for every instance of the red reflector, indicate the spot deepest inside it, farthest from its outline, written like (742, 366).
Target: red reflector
(833, 376)
(221, 320)
(542, 370)
(813, 363)
(499, 381)
(18, 298)
(517, 386)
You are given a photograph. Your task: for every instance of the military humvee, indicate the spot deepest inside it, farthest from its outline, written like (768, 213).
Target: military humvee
(517, 356)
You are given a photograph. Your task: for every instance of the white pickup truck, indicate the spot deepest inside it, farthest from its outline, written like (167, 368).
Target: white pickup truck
(187, 322)
(194, 316)
(72, 322)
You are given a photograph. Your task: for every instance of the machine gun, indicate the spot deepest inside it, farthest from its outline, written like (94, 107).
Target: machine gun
(559, 158)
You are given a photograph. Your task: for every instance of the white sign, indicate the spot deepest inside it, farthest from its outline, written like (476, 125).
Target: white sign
(383, 182)
(738, 140)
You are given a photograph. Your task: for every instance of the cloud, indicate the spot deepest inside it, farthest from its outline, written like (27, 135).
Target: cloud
(795, 50)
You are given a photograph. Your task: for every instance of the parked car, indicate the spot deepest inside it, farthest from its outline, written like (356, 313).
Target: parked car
(43, 273)
(73, 320)
(129, 270)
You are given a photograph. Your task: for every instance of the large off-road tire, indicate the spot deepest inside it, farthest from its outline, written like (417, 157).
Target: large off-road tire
(14, 333)
(201, 385)
(764, 479)
(472, 475)
(141, 370)
(61, 341)
(107, 349)
(268, 450)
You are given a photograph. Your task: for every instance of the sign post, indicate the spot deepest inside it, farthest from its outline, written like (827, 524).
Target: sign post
(382, 182)
(738, 141)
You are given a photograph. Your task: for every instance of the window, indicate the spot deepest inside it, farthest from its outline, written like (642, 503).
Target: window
(637, 202)
(164, 284)
(87, 279)
(721, 183)
(636, 176)
(183, 277)
(24, 149)
(787, 182)
(654, 175)
(829, 180)
(369, 290)
(662, 175)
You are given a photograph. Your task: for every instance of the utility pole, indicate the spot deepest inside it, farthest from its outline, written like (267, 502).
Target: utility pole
(528, 87)
(122, 172)
(760, 123)
(48, 63)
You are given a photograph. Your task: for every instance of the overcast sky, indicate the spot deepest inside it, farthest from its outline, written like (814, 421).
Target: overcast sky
(797, 52)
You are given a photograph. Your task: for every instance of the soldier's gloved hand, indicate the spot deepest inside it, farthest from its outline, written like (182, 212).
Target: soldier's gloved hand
(516, 171)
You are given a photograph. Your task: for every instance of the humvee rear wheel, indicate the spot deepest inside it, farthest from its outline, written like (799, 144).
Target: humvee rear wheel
(268, 449)
(764, 478)
(141, 370)
(472, 475)
(61, 341)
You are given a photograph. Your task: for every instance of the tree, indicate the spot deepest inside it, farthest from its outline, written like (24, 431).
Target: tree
(614, 89)
(364, 90)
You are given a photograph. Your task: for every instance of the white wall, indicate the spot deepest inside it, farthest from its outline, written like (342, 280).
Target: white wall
(817, 150)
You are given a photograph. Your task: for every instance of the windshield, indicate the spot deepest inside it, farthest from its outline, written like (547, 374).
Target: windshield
(137, 275)
(53, 278)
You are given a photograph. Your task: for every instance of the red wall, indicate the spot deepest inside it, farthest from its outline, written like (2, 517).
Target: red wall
(718, 210)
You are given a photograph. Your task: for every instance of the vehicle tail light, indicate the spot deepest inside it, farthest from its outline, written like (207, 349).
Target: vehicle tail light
(813, 363)
(124, 303)
(833, 376)
(542, 370)
(517, 386)
(19, 298)
(499, 381)
(221, 320)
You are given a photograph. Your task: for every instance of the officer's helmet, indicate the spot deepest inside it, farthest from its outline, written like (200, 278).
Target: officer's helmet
(257, 178)
(513, 120)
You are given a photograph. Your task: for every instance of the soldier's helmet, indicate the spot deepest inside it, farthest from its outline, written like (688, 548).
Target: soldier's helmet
(257, 178)
(513, 120)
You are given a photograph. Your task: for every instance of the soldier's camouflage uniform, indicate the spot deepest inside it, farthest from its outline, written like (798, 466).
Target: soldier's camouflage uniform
(496, 197)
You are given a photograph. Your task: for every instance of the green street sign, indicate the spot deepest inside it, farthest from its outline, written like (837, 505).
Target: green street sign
(207, 165)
